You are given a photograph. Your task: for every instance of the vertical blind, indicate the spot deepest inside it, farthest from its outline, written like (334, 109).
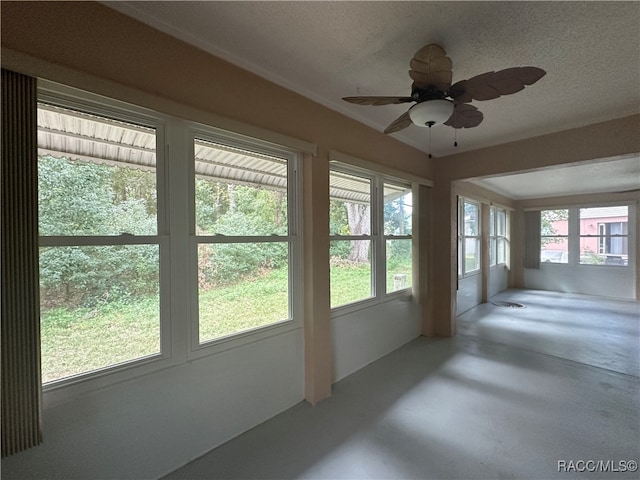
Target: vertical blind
(532, 225)
(21, 387)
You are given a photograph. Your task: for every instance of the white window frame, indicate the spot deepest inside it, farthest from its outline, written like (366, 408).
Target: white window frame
(602, 235)
(377, 237)
(176, 209)
(463, 238)
(66, 97)
(382, 180)
(573, 236)
(373, 237)
(569, 237)
(495, 237)
(293, 238)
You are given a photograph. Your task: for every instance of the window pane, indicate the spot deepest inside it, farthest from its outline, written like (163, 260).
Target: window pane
(554, 229)
(604, 238)
(471, 254)
(554, 250)
(398, 264)
(96, 176)
(99, 307)
(501, 222)
(492, 251)
(398, 209)
(459, 255)
(238, 192)
(349, 204)
(502, 250)
(241, 286)
(492, 221)
(350, 268)
(471, 218)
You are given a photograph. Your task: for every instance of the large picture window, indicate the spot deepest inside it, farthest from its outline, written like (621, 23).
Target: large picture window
(99, 217)
(244, 231)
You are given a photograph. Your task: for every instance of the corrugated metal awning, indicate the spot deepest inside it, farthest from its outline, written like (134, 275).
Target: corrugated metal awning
(85, 137)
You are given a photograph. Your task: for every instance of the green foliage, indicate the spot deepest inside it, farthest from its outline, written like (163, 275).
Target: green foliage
(396, 220)
(78, 198)
(74, 198)
(547, 219)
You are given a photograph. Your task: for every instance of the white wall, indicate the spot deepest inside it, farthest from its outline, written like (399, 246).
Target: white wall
(498, 279)
(469, 293)
(365, 335)
(617, 282)
(149, 426)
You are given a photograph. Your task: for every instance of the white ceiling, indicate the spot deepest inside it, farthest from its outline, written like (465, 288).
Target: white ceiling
(326, 50)
(611, 175)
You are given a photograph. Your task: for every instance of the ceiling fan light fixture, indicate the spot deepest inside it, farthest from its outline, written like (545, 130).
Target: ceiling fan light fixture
(431, 112)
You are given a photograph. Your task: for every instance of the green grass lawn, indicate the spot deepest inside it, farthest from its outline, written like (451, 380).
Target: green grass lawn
(79, 340)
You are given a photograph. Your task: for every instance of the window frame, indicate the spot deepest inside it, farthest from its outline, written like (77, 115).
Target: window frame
(568, 237)
(174, 192)
(62, 96)
(372, 237)
(196, 349)
(385, 237)
(602, 236)
(496, 237)
(377, 237)
(463, 238)
(574, 235)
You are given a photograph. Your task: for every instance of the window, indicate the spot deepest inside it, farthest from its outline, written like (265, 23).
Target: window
(107, 233)
(554, 236)
(244, 233)
(370, 226)
(100, 226)
(397, 233)
(604, 236)
(350, 251)
(498, 247)
(468, 237)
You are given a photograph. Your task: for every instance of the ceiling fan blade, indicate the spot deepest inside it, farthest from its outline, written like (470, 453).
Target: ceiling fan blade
(429, 52)
(431, 66)
(465, 116)
(403, 121)
(377, 100)
(437, 64)
(490, 85)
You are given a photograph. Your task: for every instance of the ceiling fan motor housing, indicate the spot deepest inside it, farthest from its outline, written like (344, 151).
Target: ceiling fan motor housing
(431, 112)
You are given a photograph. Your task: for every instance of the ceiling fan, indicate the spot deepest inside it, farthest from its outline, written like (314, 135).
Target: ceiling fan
(438, 101)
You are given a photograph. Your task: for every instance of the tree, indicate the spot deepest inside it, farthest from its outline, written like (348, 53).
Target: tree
(359, 218)
(547, 220)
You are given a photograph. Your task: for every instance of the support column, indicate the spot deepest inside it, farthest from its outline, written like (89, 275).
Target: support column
(444, 230)
(318, 351)
(485, 245)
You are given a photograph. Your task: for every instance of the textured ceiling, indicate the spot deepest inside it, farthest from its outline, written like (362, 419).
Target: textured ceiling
(327, 50)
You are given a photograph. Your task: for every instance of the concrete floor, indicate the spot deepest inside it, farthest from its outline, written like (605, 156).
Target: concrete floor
(517, 391)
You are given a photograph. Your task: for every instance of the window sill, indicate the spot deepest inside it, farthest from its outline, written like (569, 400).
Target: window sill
(343, 310)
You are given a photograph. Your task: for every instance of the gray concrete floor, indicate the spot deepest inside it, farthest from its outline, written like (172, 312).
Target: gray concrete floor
(516, 392)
